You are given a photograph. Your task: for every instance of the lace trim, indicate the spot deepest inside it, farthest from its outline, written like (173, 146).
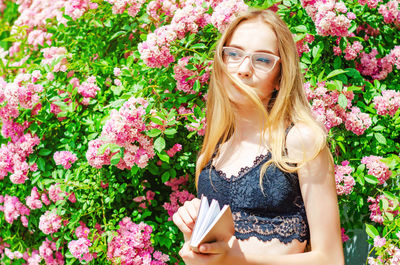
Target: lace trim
(283, 228)
(244, 170)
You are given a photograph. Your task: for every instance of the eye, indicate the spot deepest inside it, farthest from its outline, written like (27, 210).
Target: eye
(233, 54)
(263, 60)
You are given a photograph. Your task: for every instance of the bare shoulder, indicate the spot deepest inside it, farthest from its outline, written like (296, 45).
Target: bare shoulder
(304, 142)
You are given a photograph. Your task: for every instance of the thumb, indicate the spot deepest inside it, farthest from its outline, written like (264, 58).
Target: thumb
(218, 247)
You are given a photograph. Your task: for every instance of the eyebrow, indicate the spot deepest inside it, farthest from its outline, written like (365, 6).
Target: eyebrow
(261, 50)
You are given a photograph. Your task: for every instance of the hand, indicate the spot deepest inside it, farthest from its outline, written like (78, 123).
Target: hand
(210, 253)
(186, 216)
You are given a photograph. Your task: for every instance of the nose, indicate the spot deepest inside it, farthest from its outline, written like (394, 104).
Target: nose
(245, 68)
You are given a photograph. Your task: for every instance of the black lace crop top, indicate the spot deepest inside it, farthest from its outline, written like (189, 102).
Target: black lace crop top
(278, 212)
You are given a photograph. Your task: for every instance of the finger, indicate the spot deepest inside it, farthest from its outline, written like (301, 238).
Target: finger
(218, 247)
(193, 212)
(186, 217)
(187, 231)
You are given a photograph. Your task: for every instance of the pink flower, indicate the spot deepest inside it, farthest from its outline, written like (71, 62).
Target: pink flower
(388, 103)
(176, 148)
(13, 209)
(182, 75)
(225, 12)
(82, 230)
(132, 245)
(125, 128)
(177, 199)
(379, 241)
(117, 71)
(89, 88)
(80, 249)
(64, 158)
(55, 192)
(357, 122)
(377, 168)
(33, 201)
(49, 253)
(343, 178)
(376, 212)
(49, 222)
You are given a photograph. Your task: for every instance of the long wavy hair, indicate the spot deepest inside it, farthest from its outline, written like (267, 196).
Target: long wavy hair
(289, 106)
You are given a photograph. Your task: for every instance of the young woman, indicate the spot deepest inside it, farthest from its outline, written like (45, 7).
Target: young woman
(264, 155)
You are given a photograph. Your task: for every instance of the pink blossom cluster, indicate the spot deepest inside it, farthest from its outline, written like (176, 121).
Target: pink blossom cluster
(80, 249)
(64, 158)
(225, 12)
(388, 103)
(326, 109)
(156, 8)
(376, 212)
(132, 245)
(377, 168)
(390, 12)
(190, 17)
(48, 251)
(182, 75)
(13, 209)
(12, 129)
(199, 125)
(22, 92)
(76, 8)
(330, 17)
(371, 3)
(55, 194)
(343, 178)
(177, 197)
(125, 129)
(33, 201)
(352, 50)
(13, 158)
(39, 37)
(302, 45)
(88, 89)
(155, 51)
(52, 54)
(34, 258)
(368, 31)
(379, 241)
(379, 68)
(119, 6)
(390, 256)
(344, 236)
(34, 13)
(12, 254)
(143, 199)
(49, 222)
(176, 148)
(357, 121)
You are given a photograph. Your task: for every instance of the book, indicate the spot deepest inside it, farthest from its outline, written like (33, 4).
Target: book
(212, 224)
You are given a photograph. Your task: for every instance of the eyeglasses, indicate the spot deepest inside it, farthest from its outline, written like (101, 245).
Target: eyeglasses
(261, 61)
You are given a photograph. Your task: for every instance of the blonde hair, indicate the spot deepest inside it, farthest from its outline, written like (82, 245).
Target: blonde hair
(290, 105)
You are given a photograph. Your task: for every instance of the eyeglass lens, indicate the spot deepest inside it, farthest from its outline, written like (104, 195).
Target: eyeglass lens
(261, 61)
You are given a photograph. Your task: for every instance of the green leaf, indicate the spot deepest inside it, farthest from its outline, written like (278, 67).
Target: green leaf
(342, 100)
(199, 46)
(102, 148)
(156, 121)
(153, 132)
(380, 138)
(117, 34)
(44, 152)
(196, 85)
(163, 157)
(390, 195)
(335, 73)
(378, 128)
(116, 158)
(165, 176)
(159, 144)
(371, 230)
(191, 67)
(170, 131)
(301, 28)
(371, 179)
(41, 164)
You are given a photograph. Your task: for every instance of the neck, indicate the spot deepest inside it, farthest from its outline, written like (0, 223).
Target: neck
(248, 125)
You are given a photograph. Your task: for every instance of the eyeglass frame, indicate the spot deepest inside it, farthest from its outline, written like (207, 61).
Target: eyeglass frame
(250, 54)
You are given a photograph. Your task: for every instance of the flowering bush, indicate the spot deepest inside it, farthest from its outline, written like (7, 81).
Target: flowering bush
(102, 108)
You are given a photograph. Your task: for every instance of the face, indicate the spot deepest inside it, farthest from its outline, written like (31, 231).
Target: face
(253, 36)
